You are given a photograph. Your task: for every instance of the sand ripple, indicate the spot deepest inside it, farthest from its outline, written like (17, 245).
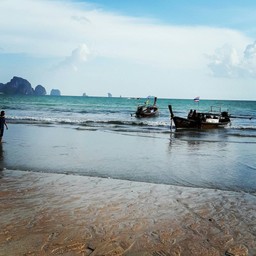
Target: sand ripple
(51, 214)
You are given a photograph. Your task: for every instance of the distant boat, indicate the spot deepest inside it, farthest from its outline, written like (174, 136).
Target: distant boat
(201, 120)
(109, 95)
(147, 110)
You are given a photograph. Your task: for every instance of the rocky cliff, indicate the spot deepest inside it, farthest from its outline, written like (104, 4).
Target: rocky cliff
(20, 86)
(40, 90)
(55, 92)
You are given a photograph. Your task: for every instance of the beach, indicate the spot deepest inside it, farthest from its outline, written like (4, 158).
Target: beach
(58, 214)
(70, 185)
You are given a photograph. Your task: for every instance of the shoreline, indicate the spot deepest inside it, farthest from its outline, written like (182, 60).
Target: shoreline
(176, 159)
(58, 214)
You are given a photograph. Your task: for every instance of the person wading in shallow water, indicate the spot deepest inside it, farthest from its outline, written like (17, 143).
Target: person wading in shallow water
(2, 124)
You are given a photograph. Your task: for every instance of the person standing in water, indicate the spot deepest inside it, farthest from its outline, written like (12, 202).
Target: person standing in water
(2, 124)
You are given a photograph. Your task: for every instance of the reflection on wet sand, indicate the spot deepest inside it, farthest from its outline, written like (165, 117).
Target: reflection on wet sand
(199, 136)
(207, 159)
(1, 160)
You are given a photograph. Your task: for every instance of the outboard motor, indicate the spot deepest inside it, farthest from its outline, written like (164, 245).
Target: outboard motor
(224, 114)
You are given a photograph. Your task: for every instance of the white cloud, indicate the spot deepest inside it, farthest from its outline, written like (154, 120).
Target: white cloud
(121, 53)
(55, 28)
(77, 57)
(227, 62)
(250, 51)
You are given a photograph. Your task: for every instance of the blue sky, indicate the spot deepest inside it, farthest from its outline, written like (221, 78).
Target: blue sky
(133, 48)
(230, 14)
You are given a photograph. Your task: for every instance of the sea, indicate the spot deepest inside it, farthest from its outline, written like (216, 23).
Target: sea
(101, 137)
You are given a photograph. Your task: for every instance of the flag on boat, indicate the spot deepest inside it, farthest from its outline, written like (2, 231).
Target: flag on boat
(196, 99)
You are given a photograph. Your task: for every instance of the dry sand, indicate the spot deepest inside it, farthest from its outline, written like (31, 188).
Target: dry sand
(54, 214)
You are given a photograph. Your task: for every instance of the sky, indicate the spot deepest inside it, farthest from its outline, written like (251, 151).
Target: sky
(132, 48)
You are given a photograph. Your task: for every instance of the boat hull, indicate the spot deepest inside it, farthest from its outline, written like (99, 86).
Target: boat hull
(145, 113)
(180, 122)
(201, 122)
(184, 123)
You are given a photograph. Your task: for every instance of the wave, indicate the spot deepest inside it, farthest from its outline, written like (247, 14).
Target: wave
(81, 122)
(125, 125)
(244, 134)
(57, 110)
(252, 128)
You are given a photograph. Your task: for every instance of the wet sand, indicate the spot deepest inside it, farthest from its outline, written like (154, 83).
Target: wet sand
(56, 214)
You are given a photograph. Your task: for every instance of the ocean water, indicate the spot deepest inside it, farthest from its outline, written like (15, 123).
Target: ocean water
(99, 136)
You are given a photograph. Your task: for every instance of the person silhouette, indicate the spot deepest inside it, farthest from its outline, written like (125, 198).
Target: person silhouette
(2, 125)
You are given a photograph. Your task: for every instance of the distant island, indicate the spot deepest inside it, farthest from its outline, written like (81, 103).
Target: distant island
(55, 92)
(21, 86)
